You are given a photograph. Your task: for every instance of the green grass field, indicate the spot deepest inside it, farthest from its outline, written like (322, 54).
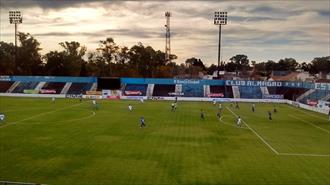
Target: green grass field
(66, 143)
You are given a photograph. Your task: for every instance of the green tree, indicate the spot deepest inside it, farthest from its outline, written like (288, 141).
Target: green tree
(287, 64)
(28, 58)
(241, 62)
(320, 65)
(7, 66)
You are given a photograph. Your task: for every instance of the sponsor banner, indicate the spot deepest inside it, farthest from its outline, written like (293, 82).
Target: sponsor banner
(273, 96)
(133, 97)
(312, 102)
(136, 93)
(187, 81)
(322, 86)
(176, 93)
(156, 98)
(253, 83)
(215, 95)
(93, 92)
(5, 78)
(92, 96)
(47, 91)
(30, 91)
(73, 95)
(111, 94)
(112, 97)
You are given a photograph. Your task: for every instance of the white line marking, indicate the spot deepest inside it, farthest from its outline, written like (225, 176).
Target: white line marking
(262, 139)
(311, 155)
(310, 123)
(41, 114)
(306, 112)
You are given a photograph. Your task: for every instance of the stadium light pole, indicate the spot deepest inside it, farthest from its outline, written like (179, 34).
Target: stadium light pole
(220, 18)
(15, 17)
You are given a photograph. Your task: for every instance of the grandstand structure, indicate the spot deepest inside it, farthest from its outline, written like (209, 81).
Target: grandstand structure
(303, 92)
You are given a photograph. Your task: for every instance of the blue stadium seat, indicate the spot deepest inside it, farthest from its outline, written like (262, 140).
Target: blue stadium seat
(77, 88)
(192, 90)
(250, 92)
(25, 85)
(316, 95)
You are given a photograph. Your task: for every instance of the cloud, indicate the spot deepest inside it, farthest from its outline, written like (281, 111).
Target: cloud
(254, 27)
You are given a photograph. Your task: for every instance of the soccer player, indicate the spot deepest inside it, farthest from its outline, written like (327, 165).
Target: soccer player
(219, 115)
(274, 109)
(142, 122)
(141, 100)
(220, 106)
(173, 107)
(253, 107)
(94, 104)
(270, 115)
(237, 106)
(53, 99)
(81, 96)
(214, 102)
(130, 107)
(202, 114)
(329, 113)
(176, 99)
(2, 117)
(239, 121)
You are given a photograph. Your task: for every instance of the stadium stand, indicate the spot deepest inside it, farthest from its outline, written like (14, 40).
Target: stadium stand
(135, 89)
(288, 93)
(77, 88)
(24, 86)
(192, 90)
(316, 95)
(250, 92)
(217, 89)
(163, 90)
(57, 86)
(4, 86)
(229, 92)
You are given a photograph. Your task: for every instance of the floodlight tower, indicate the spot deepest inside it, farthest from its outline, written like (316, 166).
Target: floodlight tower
(167, 37)
(15, 17)
(220, 18)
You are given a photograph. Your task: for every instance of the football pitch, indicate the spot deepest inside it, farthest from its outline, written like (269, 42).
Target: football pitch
(67, 142)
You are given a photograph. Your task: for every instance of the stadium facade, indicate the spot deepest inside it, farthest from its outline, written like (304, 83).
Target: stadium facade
(310, 93)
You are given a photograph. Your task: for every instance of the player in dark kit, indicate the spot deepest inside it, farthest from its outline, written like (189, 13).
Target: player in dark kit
(237, 106)
(270, 115)
(202, 114)
(275, 110)
(219, 115)
(142, 123)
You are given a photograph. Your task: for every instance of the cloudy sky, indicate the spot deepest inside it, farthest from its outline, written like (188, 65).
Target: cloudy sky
(260, 29)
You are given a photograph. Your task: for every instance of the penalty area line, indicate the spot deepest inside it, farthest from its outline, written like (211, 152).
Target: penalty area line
(306, 112)
(261, 138)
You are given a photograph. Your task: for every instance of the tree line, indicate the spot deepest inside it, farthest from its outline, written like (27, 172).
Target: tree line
(110, 59)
